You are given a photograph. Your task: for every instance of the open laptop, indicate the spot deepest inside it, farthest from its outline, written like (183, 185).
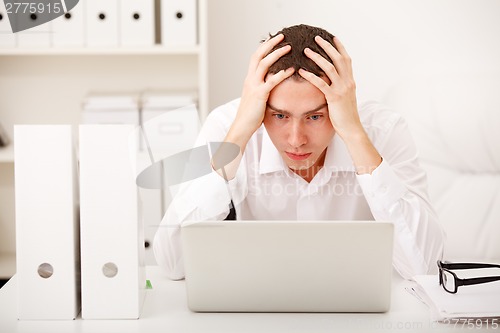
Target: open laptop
(288, 266)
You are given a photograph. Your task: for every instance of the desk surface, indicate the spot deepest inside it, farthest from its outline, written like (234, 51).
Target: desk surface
(165, 310)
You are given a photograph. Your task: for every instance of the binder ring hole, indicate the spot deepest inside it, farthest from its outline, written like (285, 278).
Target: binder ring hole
(33, 17)
(45, 270)
(146, 244)
(109, 270)
(102, 16)
(1, 16)
(67, 15)
(136, 16)
(178, 15)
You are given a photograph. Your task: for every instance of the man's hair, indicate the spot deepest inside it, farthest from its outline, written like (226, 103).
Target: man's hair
(299, 37)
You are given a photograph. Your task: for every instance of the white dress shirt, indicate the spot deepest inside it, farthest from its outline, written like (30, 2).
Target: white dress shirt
(265, 189)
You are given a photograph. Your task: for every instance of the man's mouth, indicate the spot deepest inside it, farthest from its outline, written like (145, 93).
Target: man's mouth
(297, 157)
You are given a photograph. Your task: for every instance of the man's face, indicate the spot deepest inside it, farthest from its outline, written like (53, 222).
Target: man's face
(299, 126)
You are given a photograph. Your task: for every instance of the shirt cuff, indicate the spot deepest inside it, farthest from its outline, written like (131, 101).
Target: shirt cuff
(210, 194)
(382, 188)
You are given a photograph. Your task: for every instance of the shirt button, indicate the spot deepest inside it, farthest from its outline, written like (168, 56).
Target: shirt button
(383, 189)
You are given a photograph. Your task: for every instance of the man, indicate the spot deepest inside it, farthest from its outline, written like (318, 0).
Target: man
(308, 151)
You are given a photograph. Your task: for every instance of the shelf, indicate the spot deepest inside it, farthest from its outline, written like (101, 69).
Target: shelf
(7, 265)
(7, 154)
(153, 50)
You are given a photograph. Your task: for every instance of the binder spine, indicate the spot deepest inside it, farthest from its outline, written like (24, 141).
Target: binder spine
(47, 242)
(112, 241)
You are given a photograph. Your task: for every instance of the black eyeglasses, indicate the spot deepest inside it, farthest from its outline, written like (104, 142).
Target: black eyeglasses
(451, 282)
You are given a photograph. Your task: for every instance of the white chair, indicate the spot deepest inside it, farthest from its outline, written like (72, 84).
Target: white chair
(455, 121)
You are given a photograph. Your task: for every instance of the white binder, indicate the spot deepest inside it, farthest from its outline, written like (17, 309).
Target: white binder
(137, 23)
(170, 121)
(112, 238)
(178, 22)
(152, 210)
(7, 37)
(36, 37)
(111, 108)
(69, 29)
(47, 231)
(101, 18)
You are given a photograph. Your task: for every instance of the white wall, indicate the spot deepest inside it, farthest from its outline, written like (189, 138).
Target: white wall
(387, 39)
(435, 61)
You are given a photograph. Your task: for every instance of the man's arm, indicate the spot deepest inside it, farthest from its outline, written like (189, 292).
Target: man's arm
(340, 95)
(256, 89)
(208, 197)
(395, 189)
(204, 198)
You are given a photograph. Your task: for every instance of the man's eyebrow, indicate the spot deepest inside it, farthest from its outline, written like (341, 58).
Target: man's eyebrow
(286, 113)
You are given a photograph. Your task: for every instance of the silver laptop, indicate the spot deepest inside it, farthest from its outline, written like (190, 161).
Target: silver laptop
(288, 266)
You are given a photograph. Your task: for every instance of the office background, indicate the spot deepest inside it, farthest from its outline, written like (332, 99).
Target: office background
(398, 47)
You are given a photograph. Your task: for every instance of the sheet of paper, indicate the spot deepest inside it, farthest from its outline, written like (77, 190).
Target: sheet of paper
(471, 301)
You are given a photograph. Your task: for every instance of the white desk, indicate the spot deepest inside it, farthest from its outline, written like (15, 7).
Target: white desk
(165, 310)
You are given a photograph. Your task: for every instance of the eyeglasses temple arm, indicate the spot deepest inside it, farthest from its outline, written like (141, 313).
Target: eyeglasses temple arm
(468, 265)
(479, 280)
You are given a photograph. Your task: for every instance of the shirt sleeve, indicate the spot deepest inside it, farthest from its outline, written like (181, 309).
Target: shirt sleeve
(206, 198)
(396, 191)
(201, 199)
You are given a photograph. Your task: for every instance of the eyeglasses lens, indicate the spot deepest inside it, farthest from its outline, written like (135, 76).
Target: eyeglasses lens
(448, 281)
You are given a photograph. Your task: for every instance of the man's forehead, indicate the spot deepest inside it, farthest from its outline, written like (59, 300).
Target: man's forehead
(297, 111)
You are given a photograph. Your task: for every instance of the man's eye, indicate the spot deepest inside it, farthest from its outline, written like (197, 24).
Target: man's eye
(315, 117)
(279, 116)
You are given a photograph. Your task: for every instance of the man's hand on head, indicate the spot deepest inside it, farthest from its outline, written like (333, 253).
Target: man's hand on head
(256, 88)
(338, 87)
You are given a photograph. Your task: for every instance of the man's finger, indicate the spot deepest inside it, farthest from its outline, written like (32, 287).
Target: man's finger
(263, 49)
(324, 64)
(274, 79)
(270, 59)
(339, 56)
(315, 81)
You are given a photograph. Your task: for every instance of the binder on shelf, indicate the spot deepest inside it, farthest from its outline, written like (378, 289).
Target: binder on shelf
(7, 37)
(178, 22)
(111, 108)
(170, 121)
(36, 37)
(69, 29)
(137, 23)
(101, 18)
(112, 236)
(152, 211)
(47, 229)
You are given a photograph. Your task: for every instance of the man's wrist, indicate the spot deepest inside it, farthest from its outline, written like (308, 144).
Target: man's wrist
(365, 156)
(239, 134)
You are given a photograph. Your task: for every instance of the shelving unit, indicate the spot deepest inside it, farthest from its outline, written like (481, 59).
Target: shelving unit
(47, 86)
(117, 51)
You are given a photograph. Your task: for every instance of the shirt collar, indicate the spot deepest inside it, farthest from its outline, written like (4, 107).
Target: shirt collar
(270, 158)
(337, 156)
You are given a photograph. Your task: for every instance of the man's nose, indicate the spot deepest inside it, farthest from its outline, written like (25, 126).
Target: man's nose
(297, 135)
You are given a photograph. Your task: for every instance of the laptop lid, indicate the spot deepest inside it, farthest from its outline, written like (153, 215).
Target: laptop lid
(288, 266)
